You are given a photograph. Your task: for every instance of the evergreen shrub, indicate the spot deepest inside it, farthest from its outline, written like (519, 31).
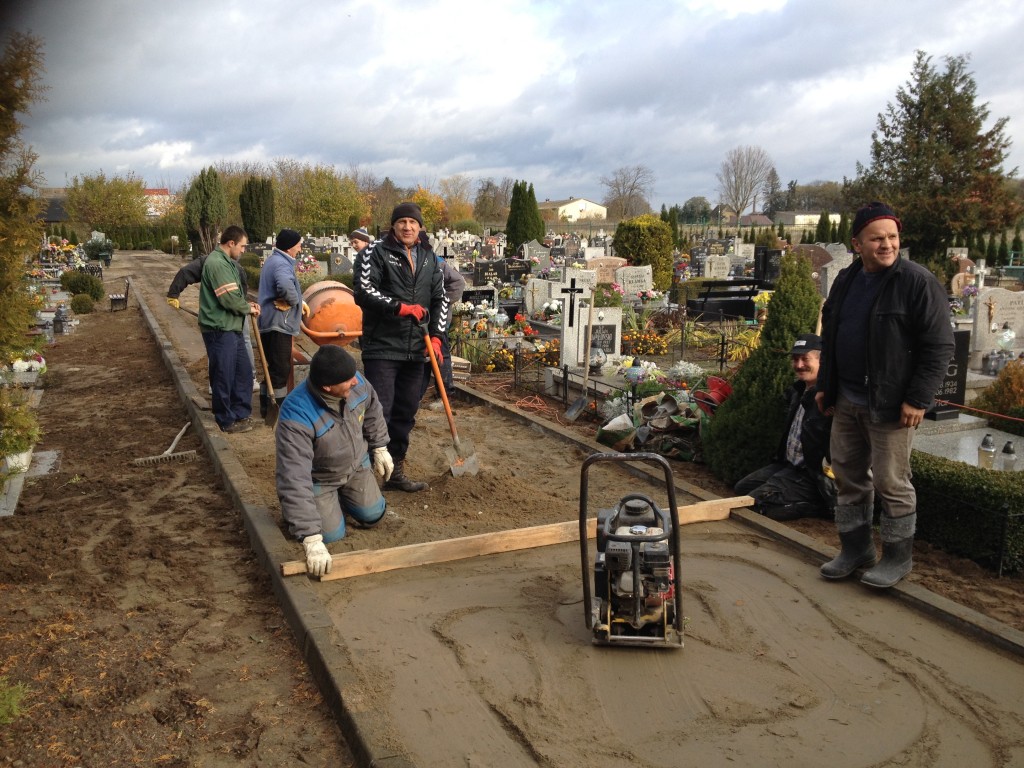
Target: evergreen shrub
(252, 275)
(82, 304)
(746, 428)
(961, 507)
(75, 282)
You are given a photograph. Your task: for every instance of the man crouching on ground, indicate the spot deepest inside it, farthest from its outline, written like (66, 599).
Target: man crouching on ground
(328, 429)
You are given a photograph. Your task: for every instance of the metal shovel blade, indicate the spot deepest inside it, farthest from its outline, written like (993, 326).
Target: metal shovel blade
(574, 410)
(462, 458)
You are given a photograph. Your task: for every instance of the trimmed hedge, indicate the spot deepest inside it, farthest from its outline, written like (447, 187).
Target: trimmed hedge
(960, 509)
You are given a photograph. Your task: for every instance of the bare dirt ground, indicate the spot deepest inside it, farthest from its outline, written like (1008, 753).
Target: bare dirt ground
(148, 635)
(133, 610)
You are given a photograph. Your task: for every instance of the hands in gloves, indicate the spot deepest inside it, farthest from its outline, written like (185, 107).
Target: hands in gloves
(383, 464)
(282, 305)
(318, 559)
(174, 302)
(435, 342)
(412, 310)
(305, 309)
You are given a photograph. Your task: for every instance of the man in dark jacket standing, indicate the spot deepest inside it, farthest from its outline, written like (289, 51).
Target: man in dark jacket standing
(397, 281)
(887, 346)
(798, 483)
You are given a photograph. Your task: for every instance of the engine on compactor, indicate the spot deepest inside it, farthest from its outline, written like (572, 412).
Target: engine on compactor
(634, 574)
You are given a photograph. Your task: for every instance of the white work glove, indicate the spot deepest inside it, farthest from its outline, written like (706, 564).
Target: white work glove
(383, 464)
(318, 559)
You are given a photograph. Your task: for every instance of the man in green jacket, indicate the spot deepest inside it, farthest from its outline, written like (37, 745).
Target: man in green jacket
(223, 312)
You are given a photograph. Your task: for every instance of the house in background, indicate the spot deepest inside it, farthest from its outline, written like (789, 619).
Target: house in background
(158, 202)
(805, 219)
(54, 211)
(755, 220)
(722, 216)
(571, 210)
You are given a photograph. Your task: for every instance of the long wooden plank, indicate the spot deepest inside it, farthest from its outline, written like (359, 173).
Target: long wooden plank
(366, 561)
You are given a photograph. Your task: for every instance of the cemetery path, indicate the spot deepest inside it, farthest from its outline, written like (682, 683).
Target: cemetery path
(133, 610)
(147, 633)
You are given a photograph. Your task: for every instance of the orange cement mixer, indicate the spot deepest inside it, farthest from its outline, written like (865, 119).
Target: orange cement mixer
(334, 317)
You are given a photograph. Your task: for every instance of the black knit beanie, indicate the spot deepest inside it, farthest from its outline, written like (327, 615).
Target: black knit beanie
(287, 238)
(407, 211)
(872, 212)
(331, 365)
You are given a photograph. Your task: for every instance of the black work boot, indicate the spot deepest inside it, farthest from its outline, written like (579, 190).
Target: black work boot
(400, 482)
(897, 552)
(264, 402)
(853, 523)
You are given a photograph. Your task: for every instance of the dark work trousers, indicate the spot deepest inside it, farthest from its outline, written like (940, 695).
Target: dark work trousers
(398, 385)
(445, 364)
(785, 492)
(277, 347)
(230, 376)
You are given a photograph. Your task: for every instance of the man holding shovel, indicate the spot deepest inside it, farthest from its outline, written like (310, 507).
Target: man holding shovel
(330, 432)
(396, 281)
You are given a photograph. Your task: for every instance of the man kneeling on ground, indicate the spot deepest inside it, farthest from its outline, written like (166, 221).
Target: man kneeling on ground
(796, 484)
(327, 431)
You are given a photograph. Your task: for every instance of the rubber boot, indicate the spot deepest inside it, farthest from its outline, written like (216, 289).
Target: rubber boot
(897, 552)
(853, 522)
(400, 482)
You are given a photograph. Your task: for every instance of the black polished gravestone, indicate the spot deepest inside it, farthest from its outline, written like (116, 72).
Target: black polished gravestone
(767, 266)
(477, 296)
(602, 337)
(954, 383)
(500, 272)
(485, 272)
(515, 269)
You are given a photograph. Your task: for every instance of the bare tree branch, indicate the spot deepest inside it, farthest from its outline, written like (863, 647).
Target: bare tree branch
(628, 189)
(742, 175)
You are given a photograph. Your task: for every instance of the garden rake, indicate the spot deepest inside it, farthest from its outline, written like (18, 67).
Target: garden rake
(169, 454)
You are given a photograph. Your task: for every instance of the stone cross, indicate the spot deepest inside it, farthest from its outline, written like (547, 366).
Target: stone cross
(980, 272)
(572, 290)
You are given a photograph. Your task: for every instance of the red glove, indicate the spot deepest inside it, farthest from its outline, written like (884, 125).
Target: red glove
(435, 342)
(412, 310)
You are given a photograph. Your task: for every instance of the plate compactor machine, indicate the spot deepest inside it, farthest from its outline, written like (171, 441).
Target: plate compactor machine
(637, 596)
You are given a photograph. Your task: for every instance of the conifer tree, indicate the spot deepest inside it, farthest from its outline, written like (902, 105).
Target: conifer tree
(1003, 255)
(516, 226)
(991, 251)
(843, 232)
(746, 428)
(821, 233)
(256, 202)
(1017, 246)
(937, 158)
(537, 229)
(206, 208)
(979, 247)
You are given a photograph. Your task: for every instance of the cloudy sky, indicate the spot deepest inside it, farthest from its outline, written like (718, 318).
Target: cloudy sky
(557, 92)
